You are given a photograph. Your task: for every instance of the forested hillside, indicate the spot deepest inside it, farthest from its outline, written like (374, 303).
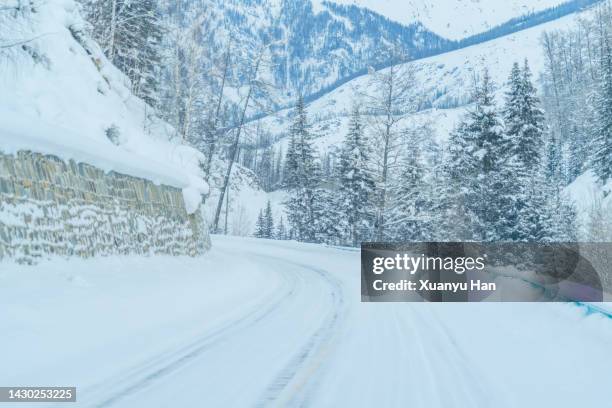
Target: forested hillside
(388, 155)
(434, 143)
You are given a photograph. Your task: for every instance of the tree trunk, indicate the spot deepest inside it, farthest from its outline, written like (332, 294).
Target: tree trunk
(235, 145)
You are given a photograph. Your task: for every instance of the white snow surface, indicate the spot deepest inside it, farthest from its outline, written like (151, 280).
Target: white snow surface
(270, 323)
(246, 200)
(586, 192)
(453, 19)
(62, 101)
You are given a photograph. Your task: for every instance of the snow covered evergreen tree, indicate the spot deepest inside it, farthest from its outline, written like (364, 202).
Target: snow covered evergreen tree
(534, 214)
(484, 201)
(553, 161)
(524, 128)
(268, 222)
(602, 159)
(411, 213)
(356, 181)
(260, 226)
(302, 176)
(281, 230)
(523, 118)
(291, 165)
(562, 218)
(265, 169)
(330, 223)
(454, 190)
(545, 213)
(264, 227)
(530, 141)
(513, 108)
(305, 168)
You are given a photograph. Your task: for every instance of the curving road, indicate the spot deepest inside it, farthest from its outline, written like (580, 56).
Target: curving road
(280, 324)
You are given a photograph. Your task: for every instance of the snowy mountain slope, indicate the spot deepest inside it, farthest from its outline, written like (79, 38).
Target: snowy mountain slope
(318, 45)
(454, 19)
(313, 45)
(444, 84)
(61, 96)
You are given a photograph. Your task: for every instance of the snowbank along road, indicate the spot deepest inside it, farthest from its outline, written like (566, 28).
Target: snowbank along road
(258, 323)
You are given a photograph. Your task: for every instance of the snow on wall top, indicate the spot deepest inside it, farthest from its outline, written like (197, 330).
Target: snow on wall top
(58, 99)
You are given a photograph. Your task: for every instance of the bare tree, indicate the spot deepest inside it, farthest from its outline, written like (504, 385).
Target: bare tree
(391, 95)
(256, 83)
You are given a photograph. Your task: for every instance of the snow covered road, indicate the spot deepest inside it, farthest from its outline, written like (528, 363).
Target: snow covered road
(269, 323)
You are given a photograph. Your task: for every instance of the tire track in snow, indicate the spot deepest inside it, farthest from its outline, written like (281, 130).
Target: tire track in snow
(295, 383)
(441, 350)
(154, 369)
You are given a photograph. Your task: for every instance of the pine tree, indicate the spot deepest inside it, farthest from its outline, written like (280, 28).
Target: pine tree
(602, 159)
(484, 129)
(562, 216)
(281, 230)
(580, 146)
(290, 169)
(523, 118)
(265, 168)
(278, 168)
(524, 127)
(477, 168)
(440, 203)
(546, 213)
(413, 208)
(330, 223)
(356, 181)
(514, 102)
(530, 139)
(535, 220)
(455, 189)
(260, 226)
(302, 176)
(268, 222)
(553, 161)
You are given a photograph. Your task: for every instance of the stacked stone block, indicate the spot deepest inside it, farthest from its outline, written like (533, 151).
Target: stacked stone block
(49, 207)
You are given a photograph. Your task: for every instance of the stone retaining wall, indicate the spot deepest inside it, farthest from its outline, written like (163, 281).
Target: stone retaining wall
(51, 207)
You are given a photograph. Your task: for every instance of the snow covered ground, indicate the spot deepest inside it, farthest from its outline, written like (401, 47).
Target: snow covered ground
(270, 323)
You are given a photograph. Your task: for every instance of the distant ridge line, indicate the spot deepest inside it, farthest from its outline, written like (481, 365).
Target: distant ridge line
(511, 26)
